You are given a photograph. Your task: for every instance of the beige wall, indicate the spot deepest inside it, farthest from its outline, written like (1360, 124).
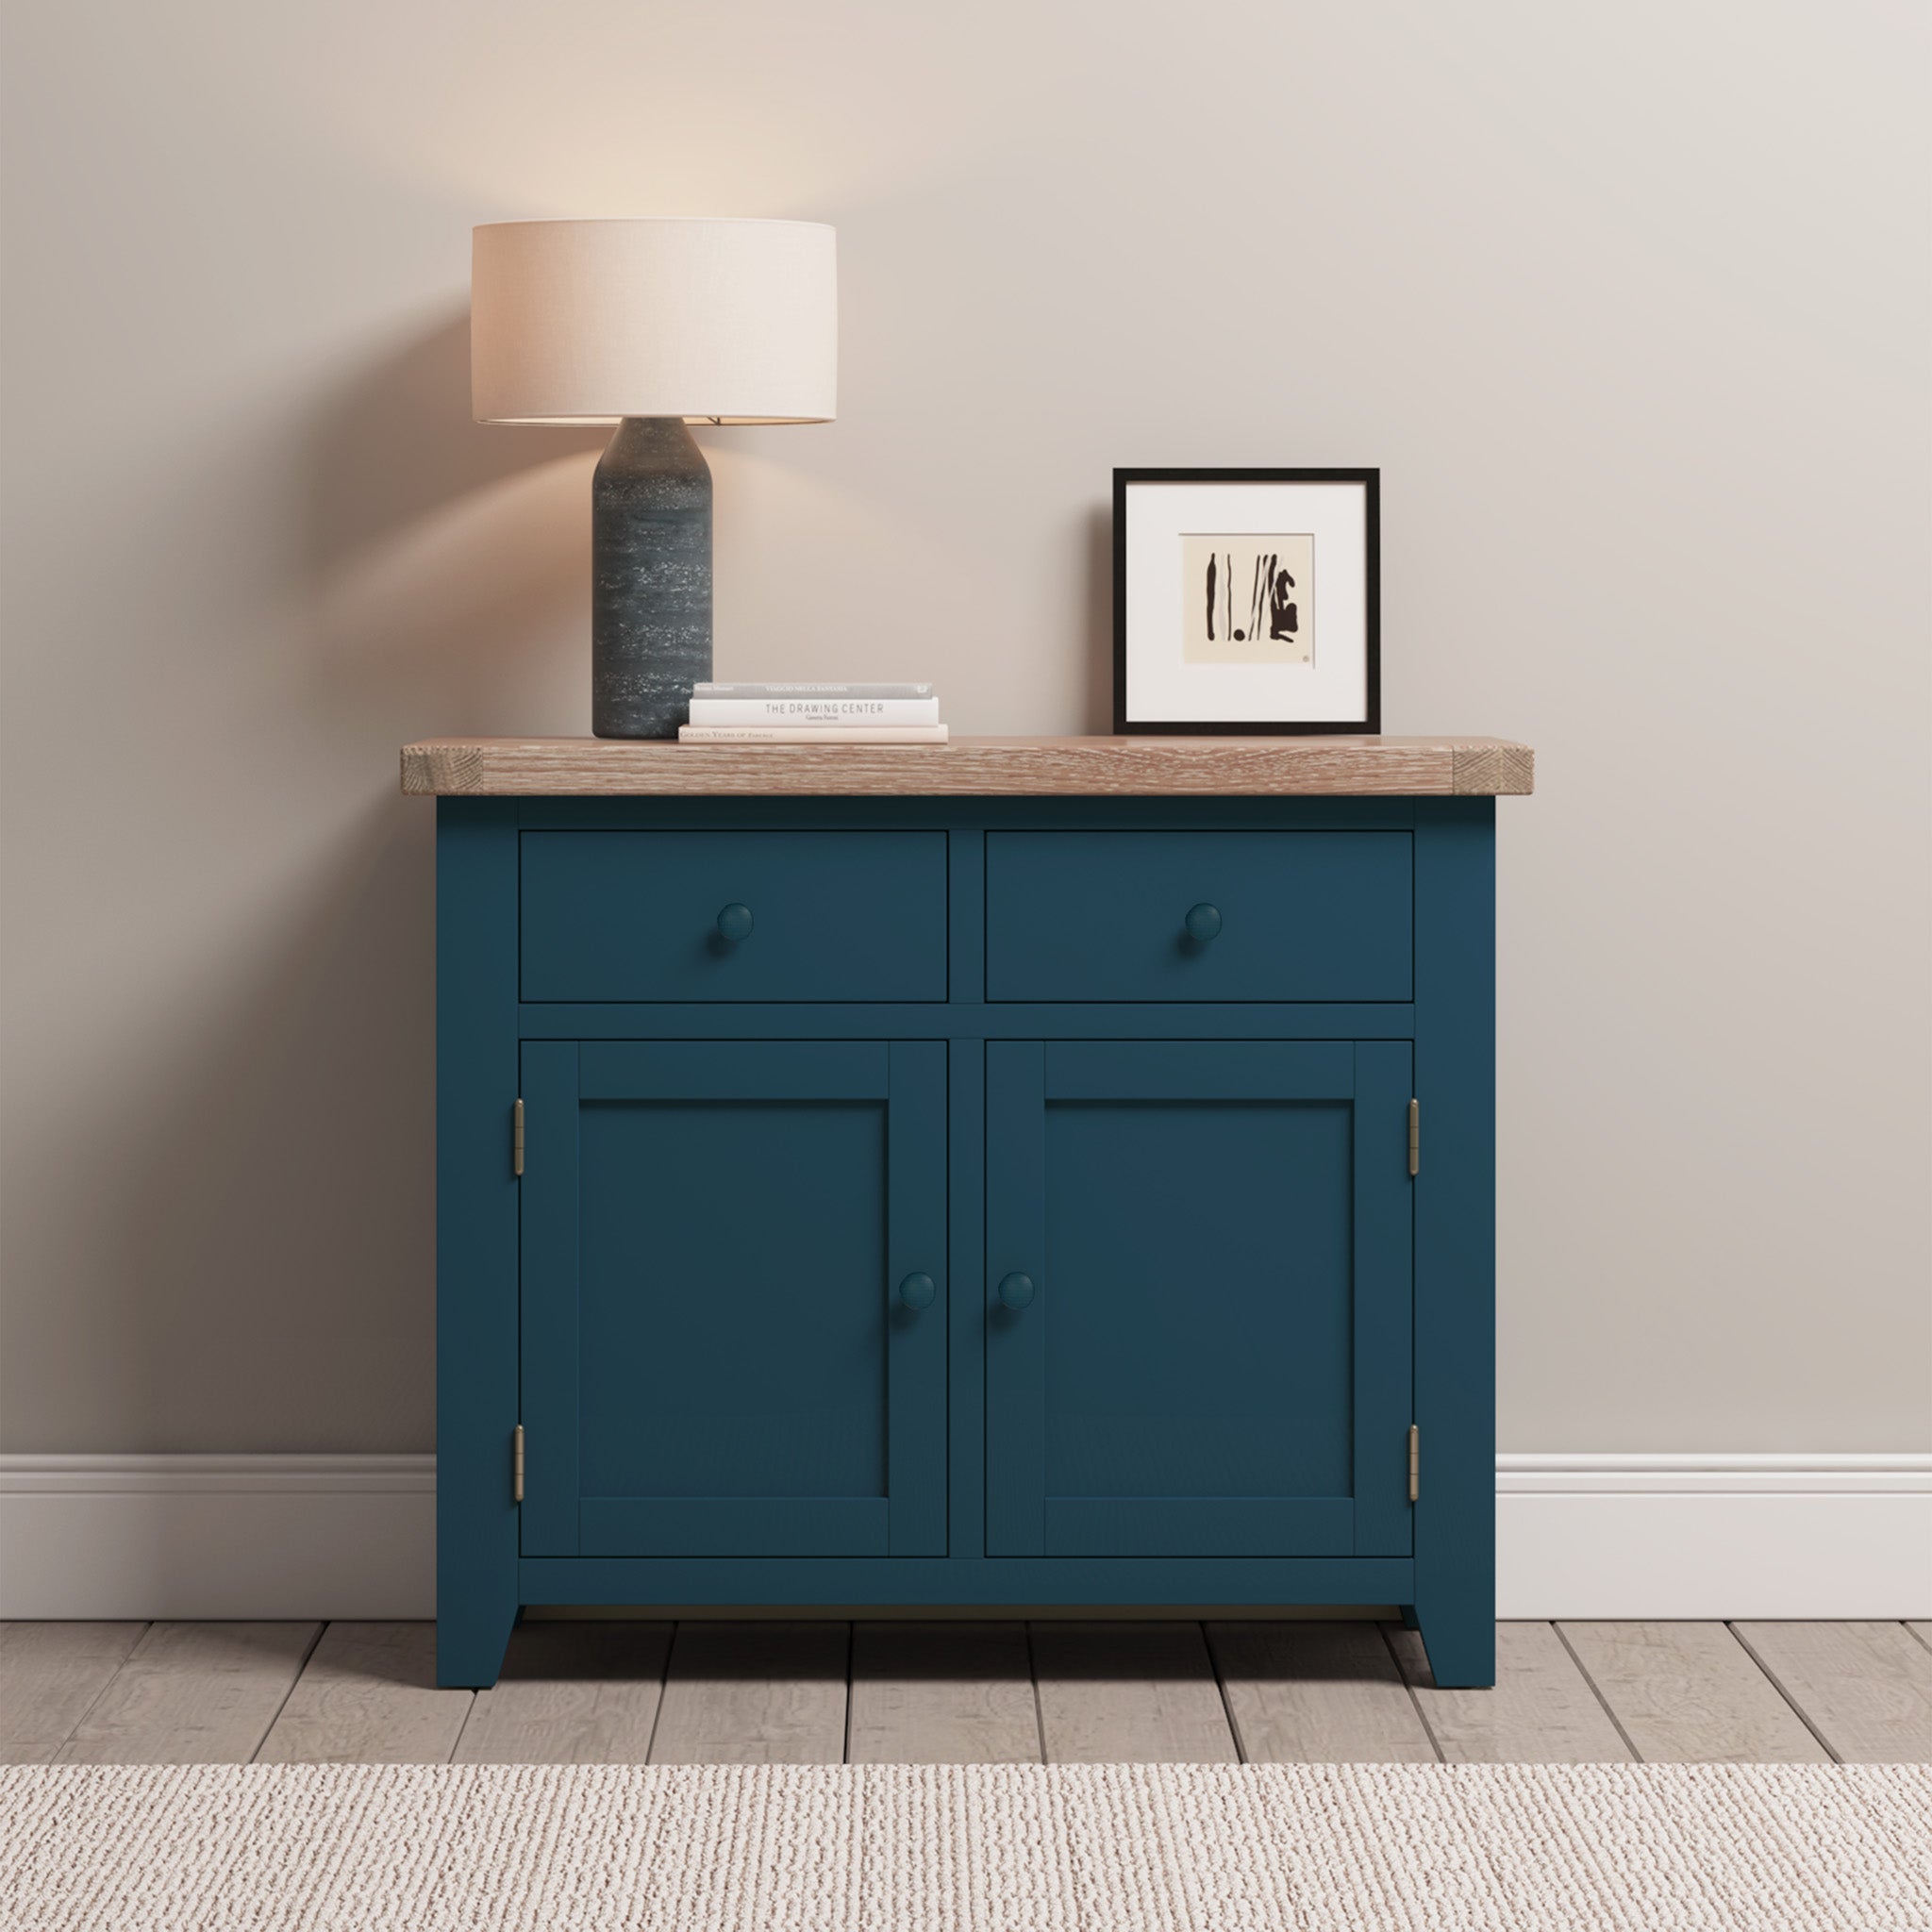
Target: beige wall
(1628, 301)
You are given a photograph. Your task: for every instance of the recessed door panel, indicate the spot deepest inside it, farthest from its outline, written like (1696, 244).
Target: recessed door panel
(1200, 1333)
(740, 1246)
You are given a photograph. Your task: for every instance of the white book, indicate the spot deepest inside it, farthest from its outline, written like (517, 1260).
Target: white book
(811, 734)
(711, 690)
(814, 711)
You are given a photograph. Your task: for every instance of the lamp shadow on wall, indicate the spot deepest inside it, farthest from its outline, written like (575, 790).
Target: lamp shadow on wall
(449, 559)
(279, 1209)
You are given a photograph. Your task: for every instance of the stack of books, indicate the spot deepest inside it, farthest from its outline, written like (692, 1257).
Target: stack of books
(813, 714)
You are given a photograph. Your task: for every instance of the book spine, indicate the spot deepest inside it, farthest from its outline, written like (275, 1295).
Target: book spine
(812, 734)
(814, 711)
(755, 692)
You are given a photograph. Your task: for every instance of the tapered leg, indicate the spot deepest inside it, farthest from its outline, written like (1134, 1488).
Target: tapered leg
(1410, 1620)
(1460, 1638)
(470, 1638)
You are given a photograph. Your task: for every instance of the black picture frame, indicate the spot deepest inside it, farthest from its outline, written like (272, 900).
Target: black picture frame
(1371, 723)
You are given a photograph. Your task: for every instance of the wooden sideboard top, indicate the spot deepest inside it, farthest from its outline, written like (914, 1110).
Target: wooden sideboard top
(987, 767)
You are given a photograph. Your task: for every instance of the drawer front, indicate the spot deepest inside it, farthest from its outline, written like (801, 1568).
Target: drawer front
(642, 916)
(1277, 916)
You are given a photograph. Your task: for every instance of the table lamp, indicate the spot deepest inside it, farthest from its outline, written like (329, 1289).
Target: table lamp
(652, 324)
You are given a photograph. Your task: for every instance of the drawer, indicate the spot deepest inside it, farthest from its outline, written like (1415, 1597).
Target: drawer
(1104, 916)
(636, 915)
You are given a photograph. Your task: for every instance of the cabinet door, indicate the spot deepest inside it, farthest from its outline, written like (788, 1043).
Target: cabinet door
(1212, 1347)
(718, 1356)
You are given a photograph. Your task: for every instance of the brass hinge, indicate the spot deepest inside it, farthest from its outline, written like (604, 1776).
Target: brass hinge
(1415, 1137)
(1415, 1460)
(516, 1139)
(516, 1463)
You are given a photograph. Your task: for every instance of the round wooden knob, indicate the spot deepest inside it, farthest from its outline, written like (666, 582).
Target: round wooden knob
(1016, 1290)
(917, 1291)
(733, 922)
(1203, 922)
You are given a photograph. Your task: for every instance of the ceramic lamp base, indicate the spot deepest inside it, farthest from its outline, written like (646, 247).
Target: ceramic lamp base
(651, 578)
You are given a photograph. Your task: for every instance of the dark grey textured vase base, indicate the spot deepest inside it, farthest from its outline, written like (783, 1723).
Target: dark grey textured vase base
(651, 578)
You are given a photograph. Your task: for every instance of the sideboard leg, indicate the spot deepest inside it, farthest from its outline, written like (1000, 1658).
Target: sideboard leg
(470, 1643)
(477, 1374)
(1455, 1501)
(1460, 1640)
(1410, 1620)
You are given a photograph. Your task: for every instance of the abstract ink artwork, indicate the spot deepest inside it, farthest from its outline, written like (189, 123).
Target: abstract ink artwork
(1248, 599)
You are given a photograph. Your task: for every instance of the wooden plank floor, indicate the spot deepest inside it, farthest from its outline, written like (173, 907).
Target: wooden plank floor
(193, 1693)
(980, 1692)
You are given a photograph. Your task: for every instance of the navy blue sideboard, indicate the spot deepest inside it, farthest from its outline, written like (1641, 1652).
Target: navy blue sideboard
(1027, 1172)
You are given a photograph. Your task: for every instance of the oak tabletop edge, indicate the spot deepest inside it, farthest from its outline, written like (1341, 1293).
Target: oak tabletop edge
(1314, 766)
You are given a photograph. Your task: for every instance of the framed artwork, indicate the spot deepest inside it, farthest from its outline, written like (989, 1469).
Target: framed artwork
(1246, 601)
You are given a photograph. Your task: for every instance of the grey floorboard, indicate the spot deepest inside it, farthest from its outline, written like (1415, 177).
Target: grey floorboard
(942, 1693)
(1690, 1693)
(1317, 1694)
(571, 1693)
(193, 1693)
(1866, 1689)
(1142, 1694)
(777, 1693)
(754, 1693)
(368, 1695)
(1541, 1710)
(50, 1675)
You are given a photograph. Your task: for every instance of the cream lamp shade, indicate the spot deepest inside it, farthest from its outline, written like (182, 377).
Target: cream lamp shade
(712, 320)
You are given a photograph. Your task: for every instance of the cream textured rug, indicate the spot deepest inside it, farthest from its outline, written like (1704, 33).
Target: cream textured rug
(992, 1848)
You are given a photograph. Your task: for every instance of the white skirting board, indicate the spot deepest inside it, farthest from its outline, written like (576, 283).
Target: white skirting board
(1576, 1536)
(1761, 1537)
(217, 1535)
